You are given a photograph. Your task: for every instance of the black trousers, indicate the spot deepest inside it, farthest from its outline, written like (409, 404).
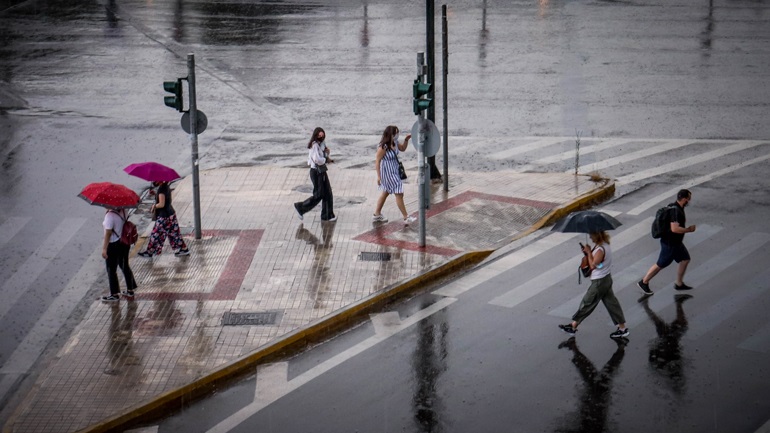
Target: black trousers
(322, 192)
(117, 257)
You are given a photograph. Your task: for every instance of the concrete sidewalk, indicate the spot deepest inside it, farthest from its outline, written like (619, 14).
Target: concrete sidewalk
(260, 280)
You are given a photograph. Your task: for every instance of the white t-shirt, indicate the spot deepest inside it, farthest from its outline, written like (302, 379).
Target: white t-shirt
(603, 269)
(114, 222)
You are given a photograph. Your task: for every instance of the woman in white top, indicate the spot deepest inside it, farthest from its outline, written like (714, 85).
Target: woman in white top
(115, 254)
(317, 158)
(600, 261)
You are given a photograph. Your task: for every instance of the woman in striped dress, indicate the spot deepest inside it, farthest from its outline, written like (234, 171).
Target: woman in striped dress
(386, 165)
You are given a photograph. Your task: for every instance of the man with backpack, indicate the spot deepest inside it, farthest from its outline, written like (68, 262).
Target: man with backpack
(672, 243)
(115, 248)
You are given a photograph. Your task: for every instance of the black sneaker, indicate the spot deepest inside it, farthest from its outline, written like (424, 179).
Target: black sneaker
(299, 214)
(181, 253)
(620, 333)
(682, 287)
(645, 287)
(568, 329)
(144, 254)
(111, 298)
(128, 294)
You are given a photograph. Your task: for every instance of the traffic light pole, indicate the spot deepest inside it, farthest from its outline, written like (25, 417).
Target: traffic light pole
(430, 42)
(421, 165)
(445, 72)
(194, 144)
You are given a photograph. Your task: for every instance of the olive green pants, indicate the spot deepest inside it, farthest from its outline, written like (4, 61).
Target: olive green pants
(600, 290)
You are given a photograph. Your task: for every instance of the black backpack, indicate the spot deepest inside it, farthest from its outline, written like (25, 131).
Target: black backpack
(661, 225)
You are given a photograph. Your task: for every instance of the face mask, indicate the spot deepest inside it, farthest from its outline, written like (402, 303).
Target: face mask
(395, 138)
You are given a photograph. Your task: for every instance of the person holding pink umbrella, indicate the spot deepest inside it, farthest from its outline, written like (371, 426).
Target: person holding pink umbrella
(166, 225)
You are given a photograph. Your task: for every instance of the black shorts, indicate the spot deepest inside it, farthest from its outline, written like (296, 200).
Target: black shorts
(672, 253)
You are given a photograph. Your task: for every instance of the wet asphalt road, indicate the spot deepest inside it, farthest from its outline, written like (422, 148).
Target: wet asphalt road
(80, 96)
(480, 361)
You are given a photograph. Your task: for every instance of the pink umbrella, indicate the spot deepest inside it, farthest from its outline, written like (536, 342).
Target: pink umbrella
(152, 171)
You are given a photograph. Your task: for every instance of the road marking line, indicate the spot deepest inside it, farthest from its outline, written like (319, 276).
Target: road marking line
(504, 264)
(702, 274)
(667, 195)
(628, 276)
(272, 382)
(524, 148)
(759, 341)
(28, 272)
(558, 273)
(570, 154)
(681, 163)
(606, 163)
(729, 305)
(10, 227)
(242, 415)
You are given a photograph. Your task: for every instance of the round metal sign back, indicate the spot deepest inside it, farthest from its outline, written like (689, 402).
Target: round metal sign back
(203, 122)
(432, 136)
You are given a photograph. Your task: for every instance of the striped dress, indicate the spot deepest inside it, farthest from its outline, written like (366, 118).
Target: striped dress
(390, 181)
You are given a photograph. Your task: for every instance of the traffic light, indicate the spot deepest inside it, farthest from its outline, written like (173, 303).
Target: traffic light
(419, 90)
(175, 101)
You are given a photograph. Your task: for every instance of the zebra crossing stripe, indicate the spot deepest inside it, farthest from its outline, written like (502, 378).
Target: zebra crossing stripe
(667, 195)
(679, 164)
(669, 145)
(524, 148)
(504, 264)
(17, 284)
(729, 305)
(539, 284)
(759, 341)
(628, 276)
(10, 227)
(702, 274)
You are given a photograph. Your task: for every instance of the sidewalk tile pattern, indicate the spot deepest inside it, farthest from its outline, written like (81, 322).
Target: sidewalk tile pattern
(256, 256)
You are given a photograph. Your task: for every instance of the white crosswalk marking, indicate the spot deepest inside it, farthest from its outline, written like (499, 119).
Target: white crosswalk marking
(692, 160)
(10, 227)
(639, 154)
(759, 341)
(702, 274)
(733, 301)
(668, 195)
(17, 284)
(628, 276)
(524, 148)
(539, 284)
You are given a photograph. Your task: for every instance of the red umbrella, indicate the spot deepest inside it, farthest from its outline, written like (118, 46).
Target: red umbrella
(109, 195)
(152, 171)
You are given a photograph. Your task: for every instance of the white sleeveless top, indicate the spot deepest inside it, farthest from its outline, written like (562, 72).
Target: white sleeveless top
(603, 269)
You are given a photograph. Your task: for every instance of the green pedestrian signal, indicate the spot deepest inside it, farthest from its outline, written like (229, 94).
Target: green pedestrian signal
(418, 91)
(175, 101)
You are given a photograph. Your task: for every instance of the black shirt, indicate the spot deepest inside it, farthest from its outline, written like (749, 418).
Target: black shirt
(167, 210)
(676, 215)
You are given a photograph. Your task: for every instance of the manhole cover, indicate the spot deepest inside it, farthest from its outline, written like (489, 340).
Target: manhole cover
(254, 318)
(374, 257)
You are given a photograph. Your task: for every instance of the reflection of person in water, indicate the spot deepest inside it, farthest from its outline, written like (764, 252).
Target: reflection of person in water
(319, 272)
(595, 399)
(665, 351)
(121, 343)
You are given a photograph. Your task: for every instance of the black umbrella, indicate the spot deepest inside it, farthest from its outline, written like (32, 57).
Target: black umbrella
(587, 221)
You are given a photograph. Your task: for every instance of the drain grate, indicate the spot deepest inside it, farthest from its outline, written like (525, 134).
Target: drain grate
(374, 257)
(254, 318)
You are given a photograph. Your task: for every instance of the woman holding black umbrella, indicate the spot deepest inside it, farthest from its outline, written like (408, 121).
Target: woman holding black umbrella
(600, 261)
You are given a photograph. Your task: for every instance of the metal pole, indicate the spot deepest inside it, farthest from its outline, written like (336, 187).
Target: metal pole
(445, 72)
(194, 144)
(430, 24)
(421, 172)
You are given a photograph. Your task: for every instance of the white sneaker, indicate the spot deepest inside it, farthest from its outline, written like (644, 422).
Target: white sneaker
(379, 218)
(410, 219)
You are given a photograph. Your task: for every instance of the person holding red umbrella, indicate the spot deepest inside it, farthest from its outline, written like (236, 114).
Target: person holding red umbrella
(116, 198)
(166, 225)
